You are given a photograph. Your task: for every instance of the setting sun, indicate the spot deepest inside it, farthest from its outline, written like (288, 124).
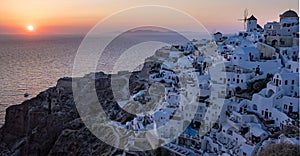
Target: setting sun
(30, 28)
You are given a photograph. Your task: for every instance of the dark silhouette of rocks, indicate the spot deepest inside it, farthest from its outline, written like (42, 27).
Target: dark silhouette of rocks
(49, 123)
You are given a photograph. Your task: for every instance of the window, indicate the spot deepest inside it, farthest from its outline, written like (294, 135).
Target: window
(254, 107)
(242, 81)
(270, 114)
(233, 79)
(293, 81)
(285, 82)
(228, 80)
(285, 106)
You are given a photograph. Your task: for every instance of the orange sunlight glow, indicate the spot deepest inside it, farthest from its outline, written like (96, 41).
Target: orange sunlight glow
(30, 28)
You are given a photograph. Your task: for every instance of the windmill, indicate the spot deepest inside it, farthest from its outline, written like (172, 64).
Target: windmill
(245, 17)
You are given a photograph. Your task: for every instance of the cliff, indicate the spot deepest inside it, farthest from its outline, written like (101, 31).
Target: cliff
(49, 123)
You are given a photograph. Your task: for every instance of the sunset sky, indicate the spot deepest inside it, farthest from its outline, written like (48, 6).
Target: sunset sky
(79, 16)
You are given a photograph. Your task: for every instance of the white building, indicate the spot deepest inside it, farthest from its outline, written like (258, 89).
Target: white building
(280, 97)
(237, 76)
(218, 36)
(271, 28)
(246, 53)
(292, 66)
(284, 33)
(289, 23)
(288, 82)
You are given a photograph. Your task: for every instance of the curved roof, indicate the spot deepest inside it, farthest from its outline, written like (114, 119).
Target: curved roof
(289, 13)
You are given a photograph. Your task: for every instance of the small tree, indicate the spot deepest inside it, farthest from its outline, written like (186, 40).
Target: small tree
(269, 76)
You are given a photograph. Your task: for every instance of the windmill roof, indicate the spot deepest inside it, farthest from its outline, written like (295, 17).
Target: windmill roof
(252, 18)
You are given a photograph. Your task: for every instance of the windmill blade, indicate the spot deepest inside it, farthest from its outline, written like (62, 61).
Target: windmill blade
(245, 18)
(246, 13)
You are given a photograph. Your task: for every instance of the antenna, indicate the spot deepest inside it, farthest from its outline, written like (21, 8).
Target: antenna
(245, 17)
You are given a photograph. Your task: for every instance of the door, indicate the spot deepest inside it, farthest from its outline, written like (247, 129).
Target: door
(290, 108)
(266, 115)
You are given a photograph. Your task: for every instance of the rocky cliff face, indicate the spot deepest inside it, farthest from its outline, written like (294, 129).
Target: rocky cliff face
(49, 124)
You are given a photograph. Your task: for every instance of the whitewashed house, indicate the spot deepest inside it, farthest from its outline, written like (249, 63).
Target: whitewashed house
(288, 82)
(287, 33)
(281, 95)
(218, 36)
(246, 53)
(236, 76)
(271, 28)
(289, 23)
(292, 66)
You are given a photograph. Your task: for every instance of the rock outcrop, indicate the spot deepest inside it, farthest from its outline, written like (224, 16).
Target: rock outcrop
(49, 124)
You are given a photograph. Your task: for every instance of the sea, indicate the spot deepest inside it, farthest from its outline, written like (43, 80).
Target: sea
(31, 64)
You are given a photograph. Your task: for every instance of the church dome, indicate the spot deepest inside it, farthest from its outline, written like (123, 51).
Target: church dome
(289, 13)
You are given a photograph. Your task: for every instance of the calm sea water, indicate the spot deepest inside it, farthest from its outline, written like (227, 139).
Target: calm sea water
(31, 64)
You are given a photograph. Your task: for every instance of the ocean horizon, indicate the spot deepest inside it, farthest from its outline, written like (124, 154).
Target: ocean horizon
(32, 64)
